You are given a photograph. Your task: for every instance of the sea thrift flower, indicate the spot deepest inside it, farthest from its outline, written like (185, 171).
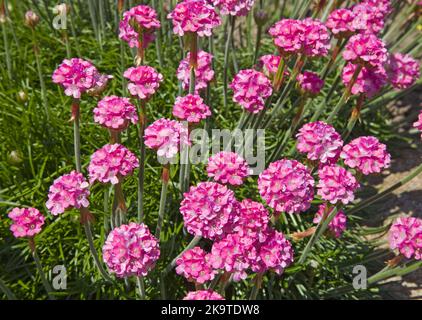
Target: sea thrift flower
(286, 186)
(191, 108)
(269, 64)
(203, 71)
(310, 82)
(143, 81)
(31, 19)
(143, 17)
(194, 266)
(337, 225)
(383, 6)
(203, 295)
(234, 7)
(131, 250)
(194, 16)
(316, 38)
(27, 222)
(165, 136)
(76, 76)
(111, 163)
(403, 70)
(208, 209)
(252, 219)
(418, 123)
(251, 88)
(369, 81)
(340, 22)
(366, 50)
(288, 36)
(405, 235)
(228, 168)
(319, 141)
(68, 191)
(366, 154)
(115, 113)
(368, 19)
(336, 184)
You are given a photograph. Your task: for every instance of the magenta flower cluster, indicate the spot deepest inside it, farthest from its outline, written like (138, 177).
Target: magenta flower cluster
(269, 64)
(227, 168)
(405, 236)
(365, 49)
(369, 81)
(310, 83)
(418, 123)
(27, 222)
(191, 108)
(337, 225)
(340, 22)
(203, 295)
(368, 19)
(194, 266)
(402, 70)
(234, 7)
(115, 113)
(203, 71)
(143, 81)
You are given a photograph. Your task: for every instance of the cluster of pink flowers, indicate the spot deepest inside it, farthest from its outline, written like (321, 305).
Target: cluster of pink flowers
(369, 81)
(405, 235)
(366, 50)
(286, 186)
(203, 295)
(166, 136)
(383, 6)
(310, 82)
(319, 141)
(110, 163)
(195, 16)
(203, 71)
(252, 219)
(234, 7)
(227, 168)
(251, 88)
(366, 154)
(337, 225)
(208, 210)
(145, 18)
(194, 266)
(316, 41)
(191, 108)
(368, 19)
(27, 222)
(269, 64)
(131, 250)
(418, 123)
(68, 191)
(143, 81)
(402, 70)
(115, 113)
(336, 184)
(340, 22)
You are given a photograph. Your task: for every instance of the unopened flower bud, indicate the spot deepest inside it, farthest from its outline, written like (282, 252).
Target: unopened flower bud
(22, 96)
(14, 157)
(31, 19)
(260, 17)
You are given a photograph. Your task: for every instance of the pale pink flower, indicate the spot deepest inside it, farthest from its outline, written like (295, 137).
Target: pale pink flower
(111, 163)
(115, 113)
(191, 108)
(405, 236)
(131, 250)
(194, 16)
(27, 222)
(365, 49)
(369, 81)
(337, 225)
(403, 71)
(68, 191)
(203, 295)
(288, 36)
(418, 123)
(286, 186)
(320, 141)
(208, 209)
(310, 82)
(228, 168)
(316, 38)
(336, 184)
(194, 266)
(234, 7)
(340, 22)
(366, 154)
(203, 71)
(368, 19)
(143, 81)
(251, 88)
(269, 64)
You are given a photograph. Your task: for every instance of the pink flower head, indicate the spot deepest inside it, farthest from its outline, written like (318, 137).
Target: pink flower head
(115, 113)
(191, 108)
(234, 7)
(203, 295)
(405, 235)
(228, 168)
(203, 72)
(100, 84)
(340, 22)
(337, 225)
(366, 154)
(76, 76)
(111, 163)
(383, 6)
(403, 70)
(336, 184)
(131, 250)
(143, 81)
(27, 222)
(288, 36)
(369, 81)
(194, 266)
(310, 82)
(208, 209)
(165, 136)
(286, 186)
(252, 219)
(365, 49)
(367, 19)
(68, 191)
(251, 88)
(269, 64)
(143, 17)
(194, 16)
(418, 123)
(316, 38)
(319, 141)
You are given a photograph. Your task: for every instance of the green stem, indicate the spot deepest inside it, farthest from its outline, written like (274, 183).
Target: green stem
(163, 199)
(6, 50)
(258, 43)
(40, 76)
(141, 287)
(76, 134)
(44, 280)
(9, 294)
(257, 286)
(141, 172)
(226, 60)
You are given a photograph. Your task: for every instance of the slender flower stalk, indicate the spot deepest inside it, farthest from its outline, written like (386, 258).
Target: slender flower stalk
(9, 294)
(3, 21)
(38, 264)
(165, 178)
(141, 174)
(354, 117)
(231, 21)
(141, 287)
(257, 283)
